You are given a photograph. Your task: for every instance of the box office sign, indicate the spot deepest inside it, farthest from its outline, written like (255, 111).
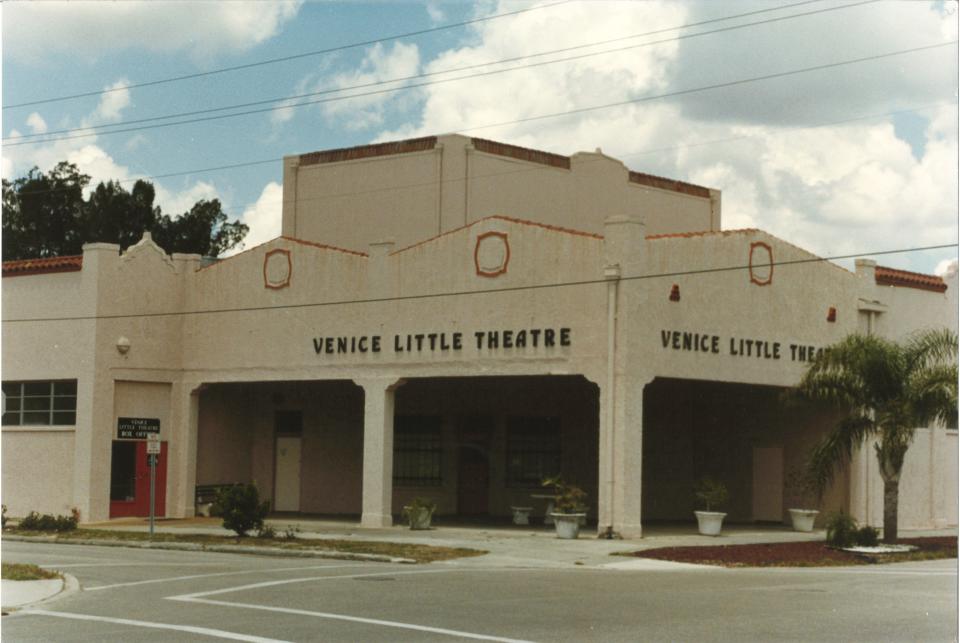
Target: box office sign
(137, 428)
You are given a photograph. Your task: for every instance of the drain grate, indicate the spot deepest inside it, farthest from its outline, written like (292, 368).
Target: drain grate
(375, 578)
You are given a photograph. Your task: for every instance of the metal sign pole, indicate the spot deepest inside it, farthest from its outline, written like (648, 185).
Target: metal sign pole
(153, 489)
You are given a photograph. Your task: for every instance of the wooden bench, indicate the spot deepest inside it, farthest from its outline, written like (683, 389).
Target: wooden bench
(206, 495)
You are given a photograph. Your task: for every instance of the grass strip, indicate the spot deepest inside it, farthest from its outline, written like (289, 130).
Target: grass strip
(19, 571)
(419, 553)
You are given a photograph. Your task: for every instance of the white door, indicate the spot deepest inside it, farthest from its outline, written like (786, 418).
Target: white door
(768, 483)
(287, 491)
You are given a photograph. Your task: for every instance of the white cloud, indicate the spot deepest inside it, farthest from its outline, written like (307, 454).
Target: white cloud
(435, 11)
(263, 217)
(839, 189)
(946, 267)
(96, 162)
(36, 123)
(379, 64)
(37, 31)
(113, 102)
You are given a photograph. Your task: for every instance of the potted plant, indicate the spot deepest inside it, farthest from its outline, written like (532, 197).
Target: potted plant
(803, 488)
(569, 509)
(710, 494)
(419, 513)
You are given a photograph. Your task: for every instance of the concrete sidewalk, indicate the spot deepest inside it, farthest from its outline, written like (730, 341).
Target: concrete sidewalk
(508, 545)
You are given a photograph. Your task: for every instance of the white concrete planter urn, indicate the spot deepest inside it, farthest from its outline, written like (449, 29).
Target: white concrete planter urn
(521, 515)
(710, 523)
(567, 526)
(710, 493)
(419, 513)
(803, 519)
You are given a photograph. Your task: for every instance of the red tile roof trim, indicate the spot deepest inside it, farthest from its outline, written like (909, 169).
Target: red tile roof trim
(579, 233)
(47, 265)
(521, 153)
(906, 279)
(367, 151)
(669, 184)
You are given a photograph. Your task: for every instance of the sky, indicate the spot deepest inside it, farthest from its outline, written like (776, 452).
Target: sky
(857, 156)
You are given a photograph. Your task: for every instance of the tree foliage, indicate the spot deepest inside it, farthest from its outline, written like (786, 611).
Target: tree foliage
(47, 215)
(887, 390)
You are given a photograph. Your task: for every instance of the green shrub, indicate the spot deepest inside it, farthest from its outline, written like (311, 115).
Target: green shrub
(710, 493)
(290, 533)
(241, 509)
(868, 536)
(842, 530)
(267, 532)
(48, 522)
(568, 498)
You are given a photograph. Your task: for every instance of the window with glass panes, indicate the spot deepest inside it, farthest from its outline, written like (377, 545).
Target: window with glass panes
(40, 403)
(533, 450)
(417, 451)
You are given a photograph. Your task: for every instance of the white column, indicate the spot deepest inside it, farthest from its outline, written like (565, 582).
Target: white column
(182, 446)
(378, 397)
(628, 456)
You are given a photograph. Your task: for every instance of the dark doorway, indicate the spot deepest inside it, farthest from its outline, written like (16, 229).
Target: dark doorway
(130, 480)
(473, 489)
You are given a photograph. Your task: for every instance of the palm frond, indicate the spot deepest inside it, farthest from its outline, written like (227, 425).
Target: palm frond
(932, 394)
(931, 347)
(836, 448)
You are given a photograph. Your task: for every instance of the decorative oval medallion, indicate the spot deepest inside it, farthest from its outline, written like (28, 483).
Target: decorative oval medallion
(761, 263)
(492, 254)
(277, 269)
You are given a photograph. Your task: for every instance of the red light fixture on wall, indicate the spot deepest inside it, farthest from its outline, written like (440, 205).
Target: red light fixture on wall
(831, 314)
(675, 293)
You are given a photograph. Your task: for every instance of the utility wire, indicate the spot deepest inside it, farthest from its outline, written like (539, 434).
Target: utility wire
(335, 195)
(579, 110)
(272, 61)
(487, 291)
(277, 102)
(45, 138)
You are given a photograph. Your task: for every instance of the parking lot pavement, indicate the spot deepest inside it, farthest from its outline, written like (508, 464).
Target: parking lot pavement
(150, 595)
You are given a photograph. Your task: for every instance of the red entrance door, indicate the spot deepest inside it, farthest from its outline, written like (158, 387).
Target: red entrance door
(130, 480)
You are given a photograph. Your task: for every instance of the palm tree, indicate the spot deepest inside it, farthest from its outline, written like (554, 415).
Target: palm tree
(887, 390)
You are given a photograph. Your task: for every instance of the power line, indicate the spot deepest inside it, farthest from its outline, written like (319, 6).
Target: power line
(579, 110)
(46, 138)
(488, 291)
(704, 88)
(335, 195)
(272, 61)
(92, 129)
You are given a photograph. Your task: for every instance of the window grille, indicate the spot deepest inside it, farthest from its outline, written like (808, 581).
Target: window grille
(40, 403)
(533, 450)
(417, 451)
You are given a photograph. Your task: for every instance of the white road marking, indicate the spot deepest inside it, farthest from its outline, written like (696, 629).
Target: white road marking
(195, 576)
(197, 598)
(206, 631)
(58, 566)
(359, 619)
(288, 581)
(880, 572)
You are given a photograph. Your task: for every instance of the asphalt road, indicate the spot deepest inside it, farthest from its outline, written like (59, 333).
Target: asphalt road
(143, 595)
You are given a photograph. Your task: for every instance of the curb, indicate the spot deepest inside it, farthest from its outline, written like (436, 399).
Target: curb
(223, 549)
(69, 585)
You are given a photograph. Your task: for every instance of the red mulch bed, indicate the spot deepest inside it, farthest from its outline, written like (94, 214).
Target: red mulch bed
(799, 554)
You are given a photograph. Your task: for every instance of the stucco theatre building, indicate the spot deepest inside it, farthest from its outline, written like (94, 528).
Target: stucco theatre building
(453, 318)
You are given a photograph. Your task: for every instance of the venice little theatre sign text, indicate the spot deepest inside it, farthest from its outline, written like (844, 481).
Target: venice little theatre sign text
(483, 340)
(737, 346)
